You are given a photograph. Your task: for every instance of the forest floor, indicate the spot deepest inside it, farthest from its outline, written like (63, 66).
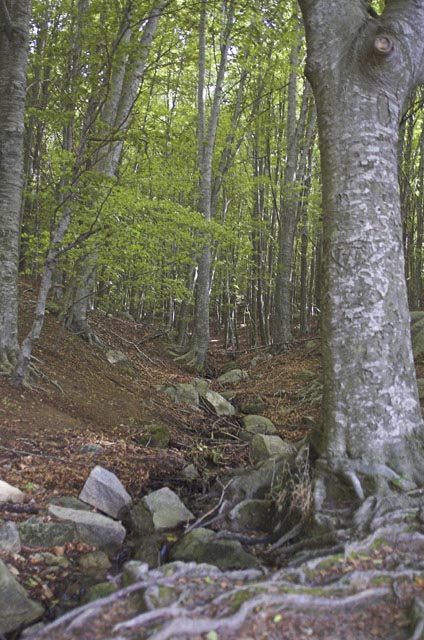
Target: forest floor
(79, 398)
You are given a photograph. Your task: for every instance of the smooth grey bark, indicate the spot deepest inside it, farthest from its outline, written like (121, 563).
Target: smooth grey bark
(64, 218)
(206, 135)
(297, 147)
(282, 297)
(362, 70)
(14, 38)
(124, 85)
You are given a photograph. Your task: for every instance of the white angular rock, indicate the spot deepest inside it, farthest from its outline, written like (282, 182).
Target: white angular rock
(167, 509)
(9, 493)
(92, 528)
(218, 404)
(104, 491)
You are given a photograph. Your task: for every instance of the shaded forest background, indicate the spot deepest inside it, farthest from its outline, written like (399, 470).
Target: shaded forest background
(126, 106)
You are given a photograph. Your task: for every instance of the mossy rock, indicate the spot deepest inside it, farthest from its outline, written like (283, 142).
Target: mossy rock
(264, 446)
(203, 545)
(252, 406)
(156, 436)
(100, 590)
(254, 424)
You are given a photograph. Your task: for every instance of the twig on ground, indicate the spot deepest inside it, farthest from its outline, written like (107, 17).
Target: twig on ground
(200, 520)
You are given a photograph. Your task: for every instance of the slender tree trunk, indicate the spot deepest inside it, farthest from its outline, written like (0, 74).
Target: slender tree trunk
(362, 70)
(14, 36)
(206, 133)
(282, 335)
(126, 78)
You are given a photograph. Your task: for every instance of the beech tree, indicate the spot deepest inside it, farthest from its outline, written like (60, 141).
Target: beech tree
(362, 67)
(14, 36)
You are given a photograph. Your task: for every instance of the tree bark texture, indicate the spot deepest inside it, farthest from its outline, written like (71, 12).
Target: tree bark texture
(206, 134)
(14, 35)
(362, 70)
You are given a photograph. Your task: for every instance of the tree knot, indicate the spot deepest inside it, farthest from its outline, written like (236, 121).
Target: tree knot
(383, 44)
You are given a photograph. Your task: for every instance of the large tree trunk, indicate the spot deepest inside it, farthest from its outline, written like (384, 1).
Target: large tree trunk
(362, 70)
(14, 34)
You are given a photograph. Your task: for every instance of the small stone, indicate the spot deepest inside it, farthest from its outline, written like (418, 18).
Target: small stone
(233, 376)
(190, 473)
(133, 571)
(263, 446)
(10, 541)
(252, 406)
(116, 357)
(10, 494)
(100, 590)
(91, 448)
(94, 561)
(156, 436)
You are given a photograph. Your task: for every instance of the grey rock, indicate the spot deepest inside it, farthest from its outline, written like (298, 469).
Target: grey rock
(133, 571)
(218, 404)
(203, 545)
(70, 502)
(139, 520)
(167, 509)
(233, 376)
(258, 424)
(8, 493)
(252, 406)
(94, 561)
(20, 610)
(261, 357)
(252, 515)
(156, 436)
(10, 541)
(263, 446)
(116, 357)
(256, 482)
(201, 386)
(93, 528)
(190, 473)
(91, 448)
(148, 551)
(182, 393)
(105, 492)
(100, 590)
(37, 533)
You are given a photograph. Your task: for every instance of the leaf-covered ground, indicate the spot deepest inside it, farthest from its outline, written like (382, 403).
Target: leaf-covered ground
(79, 398)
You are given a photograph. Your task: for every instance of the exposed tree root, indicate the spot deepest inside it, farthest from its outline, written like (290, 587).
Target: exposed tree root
(185, 600)
(8, 362)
